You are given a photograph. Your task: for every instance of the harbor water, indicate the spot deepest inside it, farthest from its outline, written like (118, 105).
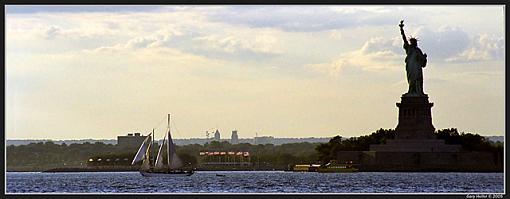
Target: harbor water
(255, 182)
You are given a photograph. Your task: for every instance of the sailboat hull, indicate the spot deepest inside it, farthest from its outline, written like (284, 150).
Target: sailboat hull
(163, 174)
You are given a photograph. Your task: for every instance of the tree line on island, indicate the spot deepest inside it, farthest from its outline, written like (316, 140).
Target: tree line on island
(47, 155)
(42, 156)
(468, 141)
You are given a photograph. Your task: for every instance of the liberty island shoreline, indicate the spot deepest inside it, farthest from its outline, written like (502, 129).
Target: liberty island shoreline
(256, 159)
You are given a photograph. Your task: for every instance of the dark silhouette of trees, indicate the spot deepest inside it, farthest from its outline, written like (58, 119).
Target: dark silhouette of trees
(49, 155)
(471, 141)
(468, 141)
(328, 151)
(43, 156)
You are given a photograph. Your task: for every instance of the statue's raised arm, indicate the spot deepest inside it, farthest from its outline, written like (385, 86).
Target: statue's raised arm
(401, 25)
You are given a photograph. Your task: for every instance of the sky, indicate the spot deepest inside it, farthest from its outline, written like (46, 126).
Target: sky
(77, 72)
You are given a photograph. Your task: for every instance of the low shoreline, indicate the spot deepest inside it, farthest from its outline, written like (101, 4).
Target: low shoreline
(70, 169)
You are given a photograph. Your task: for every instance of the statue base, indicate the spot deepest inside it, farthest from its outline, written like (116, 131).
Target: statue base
(415, 132)
(415, 118)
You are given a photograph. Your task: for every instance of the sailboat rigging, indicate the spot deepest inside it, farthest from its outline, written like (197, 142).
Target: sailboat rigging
(173, 166)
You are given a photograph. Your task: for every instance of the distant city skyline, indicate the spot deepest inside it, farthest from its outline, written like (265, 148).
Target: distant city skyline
(275, 141)
(194, 140)
(78, 72)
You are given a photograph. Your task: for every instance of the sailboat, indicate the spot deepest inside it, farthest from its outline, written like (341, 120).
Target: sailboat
(173, 166)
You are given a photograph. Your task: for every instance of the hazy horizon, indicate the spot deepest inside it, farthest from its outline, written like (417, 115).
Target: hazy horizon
(81, 72)
(115, 138)
(28, 139)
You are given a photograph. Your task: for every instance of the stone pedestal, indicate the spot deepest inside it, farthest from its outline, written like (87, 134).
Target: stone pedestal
(415, 132)
(415, 118)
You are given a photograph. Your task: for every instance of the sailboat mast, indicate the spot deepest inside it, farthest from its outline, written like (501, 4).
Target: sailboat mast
(154, 157)
(168, 144)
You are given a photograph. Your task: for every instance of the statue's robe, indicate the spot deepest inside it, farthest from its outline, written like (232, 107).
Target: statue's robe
(415, 60)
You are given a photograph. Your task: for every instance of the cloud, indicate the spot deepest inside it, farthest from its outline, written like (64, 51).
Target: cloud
(243, 45)
(381, 45)
(302, 19)
(260, 43)
(133, 44)
(376, 54)
(442, 44)
(51, 32)
(335, 34)
(157, 39)
(194, 34)
(453, 44)
(183, 29)
(26, 9)
(483, 47)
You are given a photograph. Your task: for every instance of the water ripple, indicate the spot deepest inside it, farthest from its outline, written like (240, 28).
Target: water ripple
(256, 182)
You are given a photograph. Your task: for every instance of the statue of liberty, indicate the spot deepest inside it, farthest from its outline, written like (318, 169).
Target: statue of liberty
(415, 60)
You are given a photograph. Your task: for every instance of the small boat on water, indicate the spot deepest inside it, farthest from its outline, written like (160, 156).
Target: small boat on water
(158, 168)
(305, 167)
(333, 167)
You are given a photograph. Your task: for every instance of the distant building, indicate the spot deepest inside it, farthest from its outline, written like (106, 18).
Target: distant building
(130, 141)
(217, 135)
(234, 139)
(221, 160)
(264, 140)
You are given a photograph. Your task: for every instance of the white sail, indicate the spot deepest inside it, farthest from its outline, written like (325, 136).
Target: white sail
(159, 158)
(174, 162)
(140, 155)
(146, 161)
